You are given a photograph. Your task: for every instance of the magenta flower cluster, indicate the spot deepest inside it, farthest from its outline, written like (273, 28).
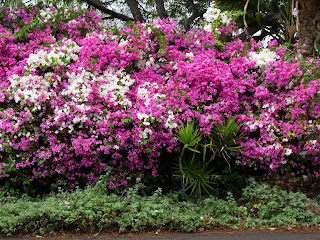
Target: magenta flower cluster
(77, 97)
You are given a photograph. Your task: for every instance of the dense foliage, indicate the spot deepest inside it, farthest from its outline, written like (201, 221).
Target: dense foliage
(78, 97)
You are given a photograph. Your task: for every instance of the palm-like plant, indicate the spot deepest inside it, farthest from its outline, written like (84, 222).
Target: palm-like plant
(224, 139)
(188, 136)
(195, 178)
(196, 175)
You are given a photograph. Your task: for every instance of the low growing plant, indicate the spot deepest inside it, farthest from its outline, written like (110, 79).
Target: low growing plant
(94, 210)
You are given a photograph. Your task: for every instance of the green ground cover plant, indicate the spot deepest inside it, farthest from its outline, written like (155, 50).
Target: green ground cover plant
(93, 209)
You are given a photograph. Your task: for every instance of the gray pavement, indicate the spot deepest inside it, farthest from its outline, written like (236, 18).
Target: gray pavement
(223, 235)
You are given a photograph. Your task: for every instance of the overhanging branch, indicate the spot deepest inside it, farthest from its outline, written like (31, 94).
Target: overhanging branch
(113, 14)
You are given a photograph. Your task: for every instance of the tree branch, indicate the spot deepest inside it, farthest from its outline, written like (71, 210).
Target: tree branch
(195, 14)
(108, 11)
(189, 20)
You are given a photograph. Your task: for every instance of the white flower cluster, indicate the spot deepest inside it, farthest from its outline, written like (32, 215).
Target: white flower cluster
(79, 88)
(113, 86)
(144, 92)
(16, 121)
(312, 143)
(174, 65)
(148, 62)
(289, 100)
(145, 133)
(169, 123)
(214, 14)
(287, 152)
(56, 57)
(303, 153)
(46, 14)
(31, 89)
(145, 117)
(65, 111)
(263, 58)
(70, 49)
(189, 55)
(254, 125)
(117, 85)
(270, 107)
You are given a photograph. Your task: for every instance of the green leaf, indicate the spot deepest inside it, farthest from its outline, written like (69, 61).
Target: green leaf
(193, 150)
(126, 121)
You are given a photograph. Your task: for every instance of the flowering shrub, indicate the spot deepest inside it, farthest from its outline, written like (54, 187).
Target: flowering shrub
(76, 97)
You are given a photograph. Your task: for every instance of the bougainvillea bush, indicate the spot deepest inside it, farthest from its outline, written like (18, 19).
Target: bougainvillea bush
(78, 97)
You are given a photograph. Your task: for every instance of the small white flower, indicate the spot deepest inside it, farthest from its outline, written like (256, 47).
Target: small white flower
(123, 42)
(145, 133)
(189, 55)
(207, 28)
(289, 101)
(142, 92)
(169, 123)
(277, 146)
(149, 30)
(225, 19)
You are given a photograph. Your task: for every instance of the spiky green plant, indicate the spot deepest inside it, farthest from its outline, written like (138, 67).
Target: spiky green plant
(196, 179)
(223, 140)
(188, 136)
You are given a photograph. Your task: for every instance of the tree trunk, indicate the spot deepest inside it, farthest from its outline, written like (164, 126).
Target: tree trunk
(161, 10)
(308, 32)
(136, 13)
